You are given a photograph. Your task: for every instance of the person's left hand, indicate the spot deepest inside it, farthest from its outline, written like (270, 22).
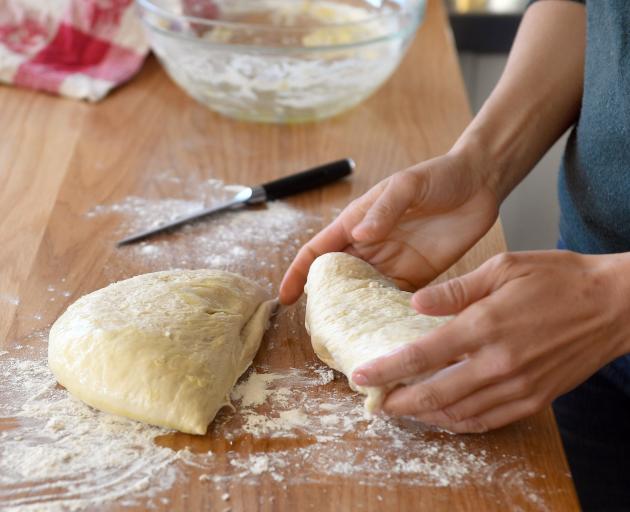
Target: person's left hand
(529, 327)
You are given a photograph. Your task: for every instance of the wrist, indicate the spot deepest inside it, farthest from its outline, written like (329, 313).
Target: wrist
(484, 165)
(616, 269)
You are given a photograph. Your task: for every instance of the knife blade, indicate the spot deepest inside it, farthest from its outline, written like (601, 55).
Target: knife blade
(270, 191)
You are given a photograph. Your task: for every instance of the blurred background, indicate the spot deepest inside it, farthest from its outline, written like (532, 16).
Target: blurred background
(83, 49)
(484, 31)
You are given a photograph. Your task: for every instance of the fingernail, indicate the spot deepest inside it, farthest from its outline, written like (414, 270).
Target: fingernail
(360, 379)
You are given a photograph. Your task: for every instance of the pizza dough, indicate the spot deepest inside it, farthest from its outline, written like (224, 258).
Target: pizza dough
(164, 348)
(354, 315)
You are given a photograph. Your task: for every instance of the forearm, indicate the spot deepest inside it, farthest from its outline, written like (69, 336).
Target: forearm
(535, 101)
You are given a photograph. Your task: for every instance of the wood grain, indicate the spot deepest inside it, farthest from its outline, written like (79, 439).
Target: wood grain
(61, 158)
(38, 137)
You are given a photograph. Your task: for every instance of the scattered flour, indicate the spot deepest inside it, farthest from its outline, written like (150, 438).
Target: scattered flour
(293, 418)
(255, 391)
(255, 465)
(58, 454)
(326, 375)
(329, 419)
(9, 299)
(230, 240)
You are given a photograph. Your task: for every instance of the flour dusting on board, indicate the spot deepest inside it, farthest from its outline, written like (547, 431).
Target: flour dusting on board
(60, 454)
(291, 426)
(230, 240)
(56, 453)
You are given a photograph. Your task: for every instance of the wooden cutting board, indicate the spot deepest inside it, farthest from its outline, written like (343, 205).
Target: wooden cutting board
(75, 177)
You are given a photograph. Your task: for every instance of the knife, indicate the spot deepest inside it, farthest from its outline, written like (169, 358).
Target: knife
(270, 191)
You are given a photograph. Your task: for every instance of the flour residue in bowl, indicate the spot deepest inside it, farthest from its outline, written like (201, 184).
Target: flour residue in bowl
(282, 60)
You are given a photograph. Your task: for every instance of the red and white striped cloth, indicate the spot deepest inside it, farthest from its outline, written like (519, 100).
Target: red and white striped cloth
(77, 48)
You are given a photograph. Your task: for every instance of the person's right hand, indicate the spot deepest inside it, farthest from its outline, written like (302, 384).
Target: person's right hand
(411, 226)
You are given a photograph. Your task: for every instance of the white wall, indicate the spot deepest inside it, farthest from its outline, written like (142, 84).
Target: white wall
(530, 213)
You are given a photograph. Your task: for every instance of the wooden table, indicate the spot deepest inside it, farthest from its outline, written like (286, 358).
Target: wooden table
(60, 158)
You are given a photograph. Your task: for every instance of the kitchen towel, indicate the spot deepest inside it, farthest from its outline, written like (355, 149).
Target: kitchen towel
(76, 48)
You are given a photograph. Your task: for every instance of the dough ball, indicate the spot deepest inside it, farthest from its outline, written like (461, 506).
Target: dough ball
(164, 348)
(354, 314)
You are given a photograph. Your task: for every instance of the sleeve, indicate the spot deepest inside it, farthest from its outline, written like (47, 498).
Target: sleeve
(530, 2)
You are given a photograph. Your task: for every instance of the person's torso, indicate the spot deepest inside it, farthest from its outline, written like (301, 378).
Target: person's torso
(594, 184)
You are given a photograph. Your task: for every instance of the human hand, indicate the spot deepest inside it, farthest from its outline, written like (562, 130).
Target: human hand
(411, 226)
(529, 327)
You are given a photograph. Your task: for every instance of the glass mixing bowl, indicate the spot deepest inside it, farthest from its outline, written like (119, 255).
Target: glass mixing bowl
(280, 60)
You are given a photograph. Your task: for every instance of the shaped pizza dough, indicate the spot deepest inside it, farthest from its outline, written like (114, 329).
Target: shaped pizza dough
(354, 315)
(165, 348)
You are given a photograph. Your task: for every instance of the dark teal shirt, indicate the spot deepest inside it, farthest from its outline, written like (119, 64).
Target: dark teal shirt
(594, 179)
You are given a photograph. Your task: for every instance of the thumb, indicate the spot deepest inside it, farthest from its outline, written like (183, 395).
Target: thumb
(456, 294)
(382, 216)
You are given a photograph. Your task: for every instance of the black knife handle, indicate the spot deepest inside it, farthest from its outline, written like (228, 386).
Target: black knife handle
(307, 180)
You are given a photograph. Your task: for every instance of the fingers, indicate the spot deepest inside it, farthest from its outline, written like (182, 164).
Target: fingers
(468, 388)
(455, 295)
(459, 391)
(445, 387)
(370, 217)
(477, 403)
(330, 239)
(436, 349)
(335, 237)
(491, 407)
(538, 383)
(399, 194)
(481, 321)
(499, 416)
